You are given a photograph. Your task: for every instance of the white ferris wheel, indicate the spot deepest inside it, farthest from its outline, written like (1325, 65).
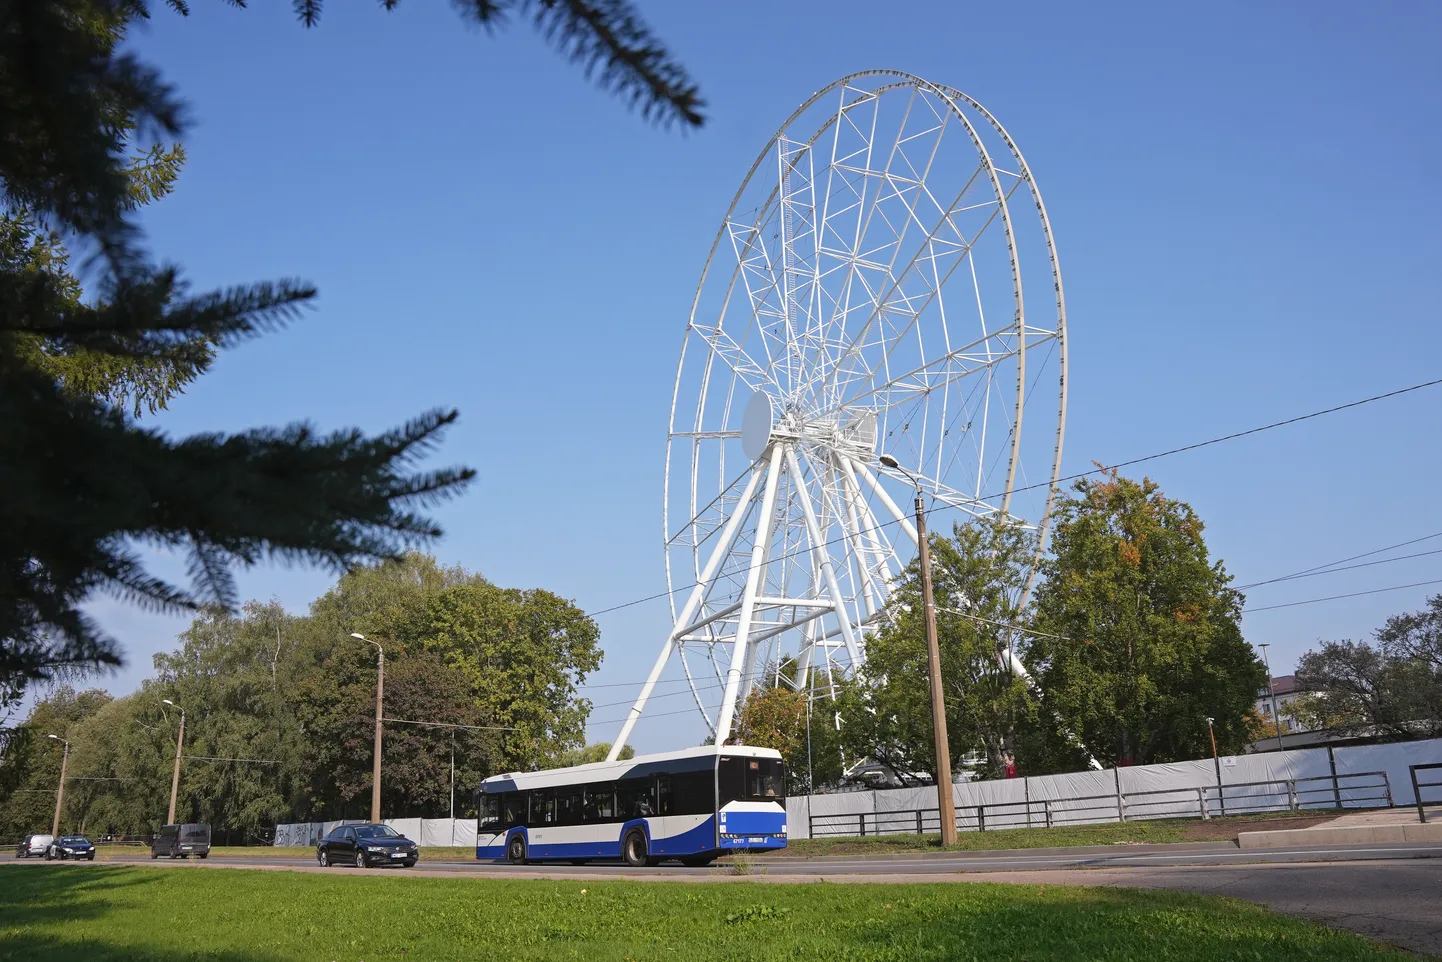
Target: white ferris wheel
(884, 283)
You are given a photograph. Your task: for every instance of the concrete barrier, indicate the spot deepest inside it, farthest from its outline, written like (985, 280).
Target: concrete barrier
(1347, 835)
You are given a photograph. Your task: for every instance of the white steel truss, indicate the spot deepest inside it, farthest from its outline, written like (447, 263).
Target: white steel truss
(864, 295)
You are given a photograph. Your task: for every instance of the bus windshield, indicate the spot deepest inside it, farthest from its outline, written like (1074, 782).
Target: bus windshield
(751, 780)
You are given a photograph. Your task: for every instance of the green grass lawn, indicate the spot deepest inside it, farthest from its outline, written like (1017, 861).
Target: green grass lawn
(127, 914)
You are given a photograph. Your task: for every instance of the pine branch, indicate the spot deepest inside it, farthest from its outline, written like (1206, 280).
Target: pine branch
(70, 510)
(618, 52)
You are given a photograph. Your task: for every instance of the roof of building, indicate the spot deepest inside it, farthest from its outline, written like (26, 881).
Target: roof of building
(1285, 685)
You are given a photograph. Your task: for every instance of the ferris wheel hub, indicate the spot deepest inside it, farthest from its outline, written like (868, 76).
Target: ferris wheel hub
(756, 425)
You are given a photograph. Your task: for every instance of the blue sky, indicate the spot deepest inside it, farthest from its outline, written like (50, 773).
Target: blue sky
(1244, 197)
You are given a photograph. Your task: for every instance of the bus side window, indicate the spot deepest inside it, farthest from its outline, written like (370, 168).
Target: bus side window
(513, 807)
(633, 799)
(543, 809)
(601, 804)
(490, 810)
(663, 793)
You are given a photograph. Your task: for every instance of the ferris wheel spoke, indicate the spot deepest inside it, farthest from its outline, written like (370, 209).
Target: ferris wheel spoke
(937, 374)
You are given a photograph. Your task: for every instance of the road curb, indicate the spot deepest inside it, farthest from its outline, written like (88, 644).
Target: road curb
(1344, 835)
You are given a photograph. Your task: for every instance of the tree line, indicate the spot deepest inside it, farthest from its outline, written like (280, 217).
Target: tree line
(1131, 632)
(280, 709)
(1133, 637)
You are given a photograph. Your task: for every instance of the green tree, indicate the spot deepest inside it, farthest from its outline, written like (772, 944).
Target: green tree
(799, 718)
(1393, 686)
(80, 482)
(524, 655)
(978, 577)
(122, 757)
(30, 764)
(588, 755)
(1146, 638)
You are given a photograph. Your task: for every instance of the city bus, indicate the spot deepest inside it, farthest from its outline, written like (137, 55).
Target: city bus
(690, 806)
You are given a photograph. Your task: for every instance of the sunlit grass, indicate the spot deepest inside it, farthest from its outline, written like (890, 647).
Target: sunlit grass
(128, 914)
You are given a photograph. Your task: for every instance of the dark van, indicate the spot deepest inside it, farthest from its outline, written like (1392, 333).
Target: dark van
(181, 841)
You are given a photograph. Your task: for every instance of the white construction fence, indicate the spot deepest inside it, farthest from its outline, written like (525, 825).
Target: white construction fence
(427, 832)
(1364, 776)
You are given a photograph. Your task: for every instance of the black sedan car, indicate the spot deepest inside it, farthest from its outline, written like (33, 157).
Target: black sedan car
(366, 846)
(71, 846)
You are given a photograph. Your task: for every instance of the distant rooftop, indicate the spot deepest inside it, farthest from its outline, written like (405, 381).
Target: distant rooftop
(1284, 685)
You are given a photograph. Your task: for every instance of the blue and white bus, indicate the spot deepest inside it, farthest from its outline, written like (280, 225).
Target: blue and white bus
(690, 805)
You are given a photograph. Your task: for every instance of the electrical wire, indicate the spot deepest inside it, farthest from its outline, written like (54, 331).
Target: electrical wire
(1332, 566)
(423, 724)
(1072, 477)
(1353, 594)
(1331, 571)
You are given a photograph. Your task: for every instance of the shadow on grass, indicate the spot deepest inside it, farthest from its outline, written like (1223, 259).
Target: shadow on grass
(55, 893)
(35, 897)
(33, 948)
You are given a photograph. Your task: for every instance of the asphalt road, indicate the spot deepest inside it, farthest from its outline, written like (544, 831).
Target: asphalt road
(1023, 860)
(1389, 892)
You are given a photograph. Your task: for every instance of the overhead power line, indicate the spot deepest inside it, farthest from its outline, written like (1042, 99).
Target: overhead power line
(1072, 477)
(425, 724)
(1333, 566)
(1335, 570)
(1352, 594)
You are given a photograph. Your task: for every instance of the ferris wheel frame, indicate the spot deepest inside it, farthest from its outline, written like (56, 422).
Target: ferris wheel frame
(847, 453)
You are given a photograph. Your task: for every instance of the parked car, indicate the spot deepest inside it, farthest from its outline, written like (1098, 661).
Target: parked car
(366, 846)
(71, 846)
(181, 841)
(33, 845)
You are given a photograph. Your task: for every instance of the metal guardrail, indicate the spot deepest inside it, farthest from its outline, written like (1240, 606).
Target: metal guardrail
(1363, 790)
(1417, 787)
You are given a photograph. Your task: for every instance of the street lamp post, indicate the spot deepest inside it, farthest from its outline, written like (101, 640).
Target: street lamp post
(944, 802)
(60, 789)
(179, 747)
(376, 762)
(1272, 694)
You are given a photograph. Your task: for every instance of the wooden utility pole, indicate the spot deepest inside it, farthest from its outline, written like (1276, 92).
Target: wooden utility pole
(60, 789)
(175, 776)
(380, 696)
(944, 802)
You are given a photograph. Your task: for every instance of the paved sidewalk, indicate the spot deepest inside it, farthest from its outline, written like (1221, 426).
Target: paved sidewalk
(1385, 816)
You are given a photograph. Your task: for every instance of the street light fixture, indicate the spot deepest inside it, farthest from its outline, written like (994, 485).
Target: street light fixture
(376, 762)
(60, 789)
(945, 804)
(179, 748)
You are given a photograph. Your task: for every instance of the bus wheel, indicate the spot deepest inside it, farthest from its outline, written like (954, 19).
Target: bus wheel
(698, 861)
(633, 849)
(516, 850)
